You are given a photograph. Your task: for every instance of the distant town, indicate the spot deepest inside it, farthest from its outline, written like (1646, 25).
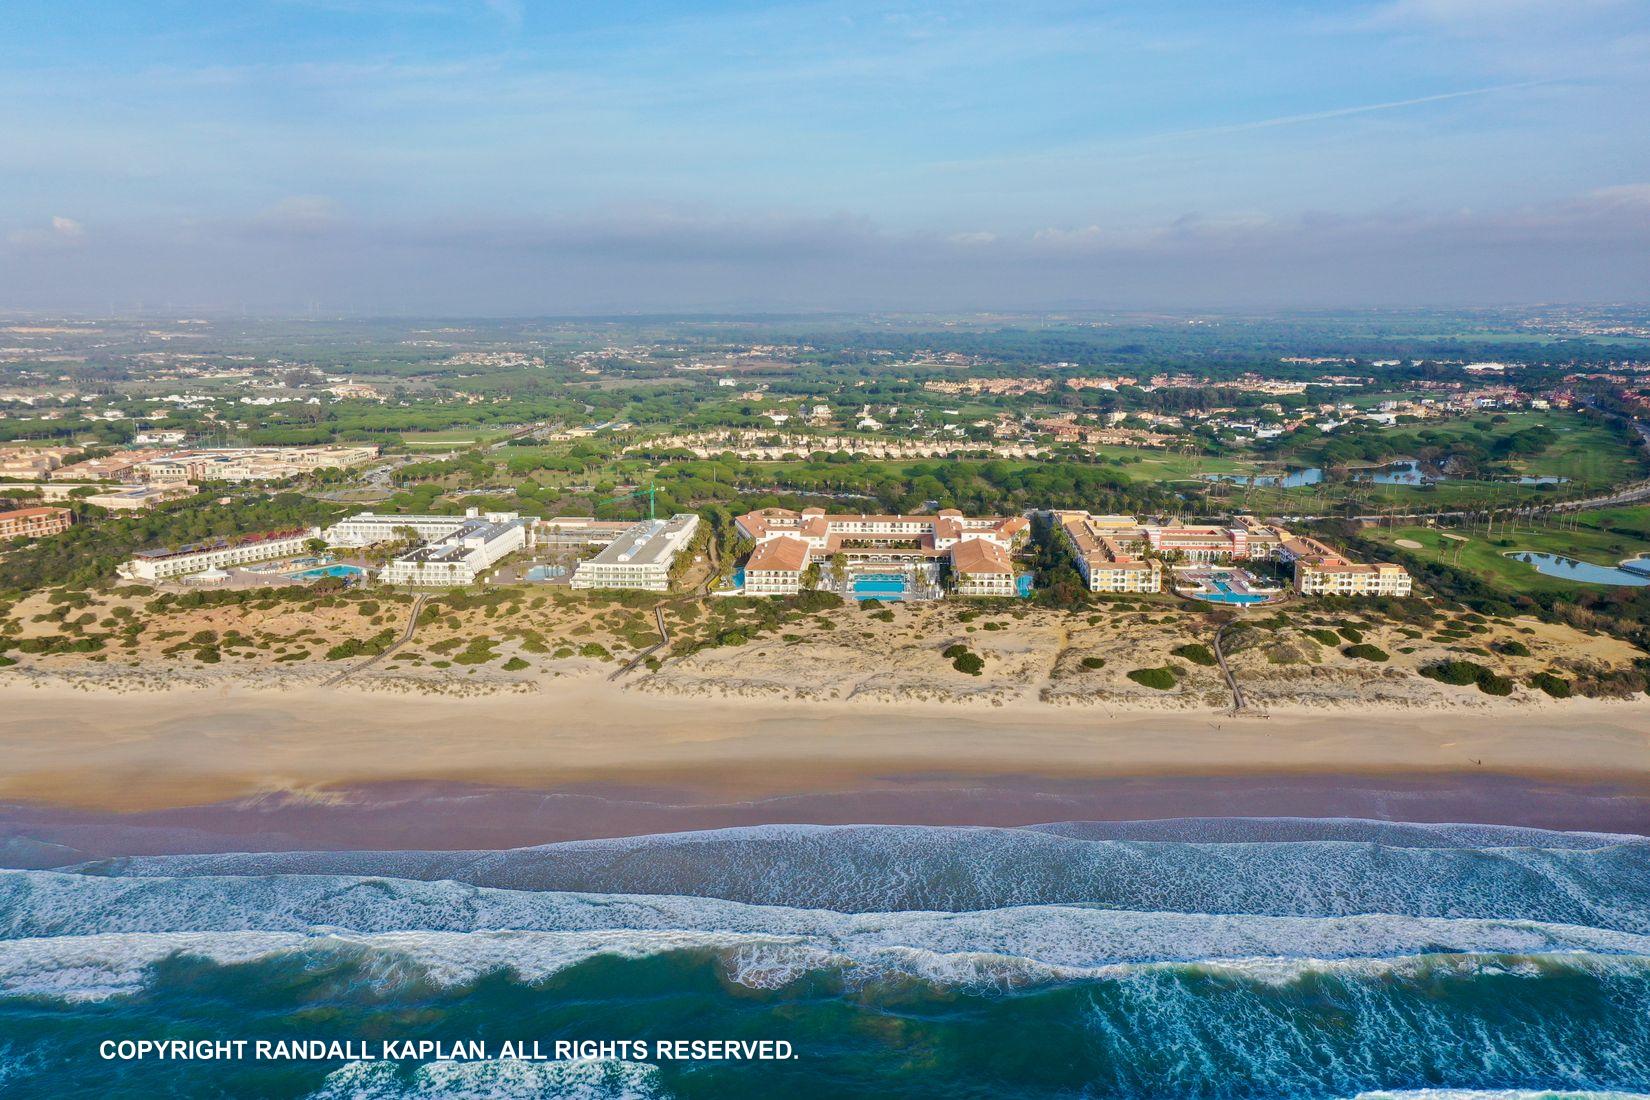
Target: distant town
(1372, 488)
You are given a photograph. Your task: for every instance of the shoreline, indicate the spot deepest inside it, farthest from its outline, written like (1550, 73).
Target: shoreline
(124, 752)
(445, 816)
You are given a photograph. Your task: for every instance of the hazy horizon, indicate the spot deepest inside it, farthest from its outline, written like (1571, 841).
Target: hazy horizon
(494, 158)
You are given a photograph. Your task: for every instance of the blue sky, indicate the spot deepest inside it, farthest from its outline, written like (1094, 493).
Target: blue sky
(510, 156)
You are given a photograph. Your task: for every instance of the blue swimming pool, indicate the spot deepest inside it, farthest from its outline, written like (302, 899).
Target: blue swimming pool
(879, 586)
(546, 572)
(1224, 593)
(1023, 584)
(328, 571)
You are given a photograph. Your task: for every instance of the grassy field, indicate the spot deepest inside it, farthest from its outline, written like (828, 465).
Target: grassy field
(1602, 538)
(454, 437)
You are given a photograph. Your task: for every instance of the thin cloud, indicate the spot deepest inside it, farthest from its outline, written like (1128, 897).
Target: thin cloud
(1346, 112)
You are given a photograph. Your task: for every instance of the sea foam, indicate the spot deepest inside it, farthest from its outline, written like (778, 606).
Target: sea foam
(888, 868)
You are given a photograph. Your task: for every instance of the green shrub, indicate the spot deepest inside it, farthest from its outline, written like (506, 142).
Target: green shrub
(1350, 633)
(885, 615)
(1491, 684)
(1512, 648)
(1094, 662)
(515, 664)
(1459, 673)
(1326, 637)
(970, 663)
(1195, 652)
(1551, 683)
(595, 650)
(1159, 678)
(813, 602)
(953, 651)
(1365, 652)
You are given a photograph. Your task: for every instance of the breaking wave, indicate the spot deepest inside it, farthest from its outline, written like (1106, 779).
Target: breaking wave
(1215, 960)
(1604, 883)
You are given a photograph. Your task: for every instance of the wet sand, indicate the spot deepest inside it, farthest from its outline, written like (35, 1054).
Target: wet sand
(435, 816)
(491, 767)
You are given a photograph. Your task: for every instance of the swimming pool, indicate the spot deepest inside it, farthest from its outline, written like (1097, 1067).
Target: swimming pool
(1225, 593)
(328, 571)
(1023, 584)
(879, 586)
(546, 572)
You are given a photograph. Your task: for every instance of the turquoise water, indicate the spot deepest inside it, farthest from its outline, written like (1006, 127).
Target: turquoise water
(1023, 584)
(545, 572)
(1224, 594)
(328, 571)
(879, 586)
(1556, 565)
(1226, 960)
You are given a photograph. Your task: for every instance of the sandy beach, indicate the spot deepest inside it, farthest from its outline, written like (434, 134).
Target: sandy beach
(145, 751)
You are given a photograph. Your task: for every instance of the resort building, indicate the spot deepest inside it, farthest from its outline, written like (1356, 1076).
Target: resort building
(462, 555)
(120, 466)
(370, 528)
(34, 522)
(579, 532)
(641, 557)
(253, 463)
(776, 566)
(1121, 554)
(133, 498)
(1320, 571)
(1104, 549)
(33, 462)
(161, 564)
(1199, 543)
(979, 567)
(897, 557)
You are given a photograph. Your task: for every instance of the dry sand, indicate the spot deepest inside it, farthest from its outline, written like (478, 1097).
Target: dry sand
(101, 750)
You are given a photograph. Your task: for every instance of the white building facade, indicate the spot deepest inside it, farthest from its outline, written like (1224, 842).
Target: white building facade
(159, 565)
(460, 557)
(368, 528)
(641, 558)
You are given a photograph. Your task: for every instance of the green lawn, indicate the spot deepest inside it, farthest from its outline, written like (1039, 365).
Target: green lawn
(454, 436)
(1603, 538)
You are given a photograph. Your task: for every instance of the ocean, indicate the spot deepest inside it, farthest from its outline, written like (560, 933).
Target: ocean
(1198, 958)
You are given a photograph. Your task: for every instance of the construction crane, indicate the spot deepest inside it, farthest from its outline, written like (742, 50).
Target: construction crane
(650, 492)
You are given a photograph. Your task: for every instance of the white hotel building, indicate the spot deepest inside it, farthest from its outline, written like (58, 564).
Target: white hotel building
(368, 528)
(641, 557)
(460, 556)
(164, 563)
